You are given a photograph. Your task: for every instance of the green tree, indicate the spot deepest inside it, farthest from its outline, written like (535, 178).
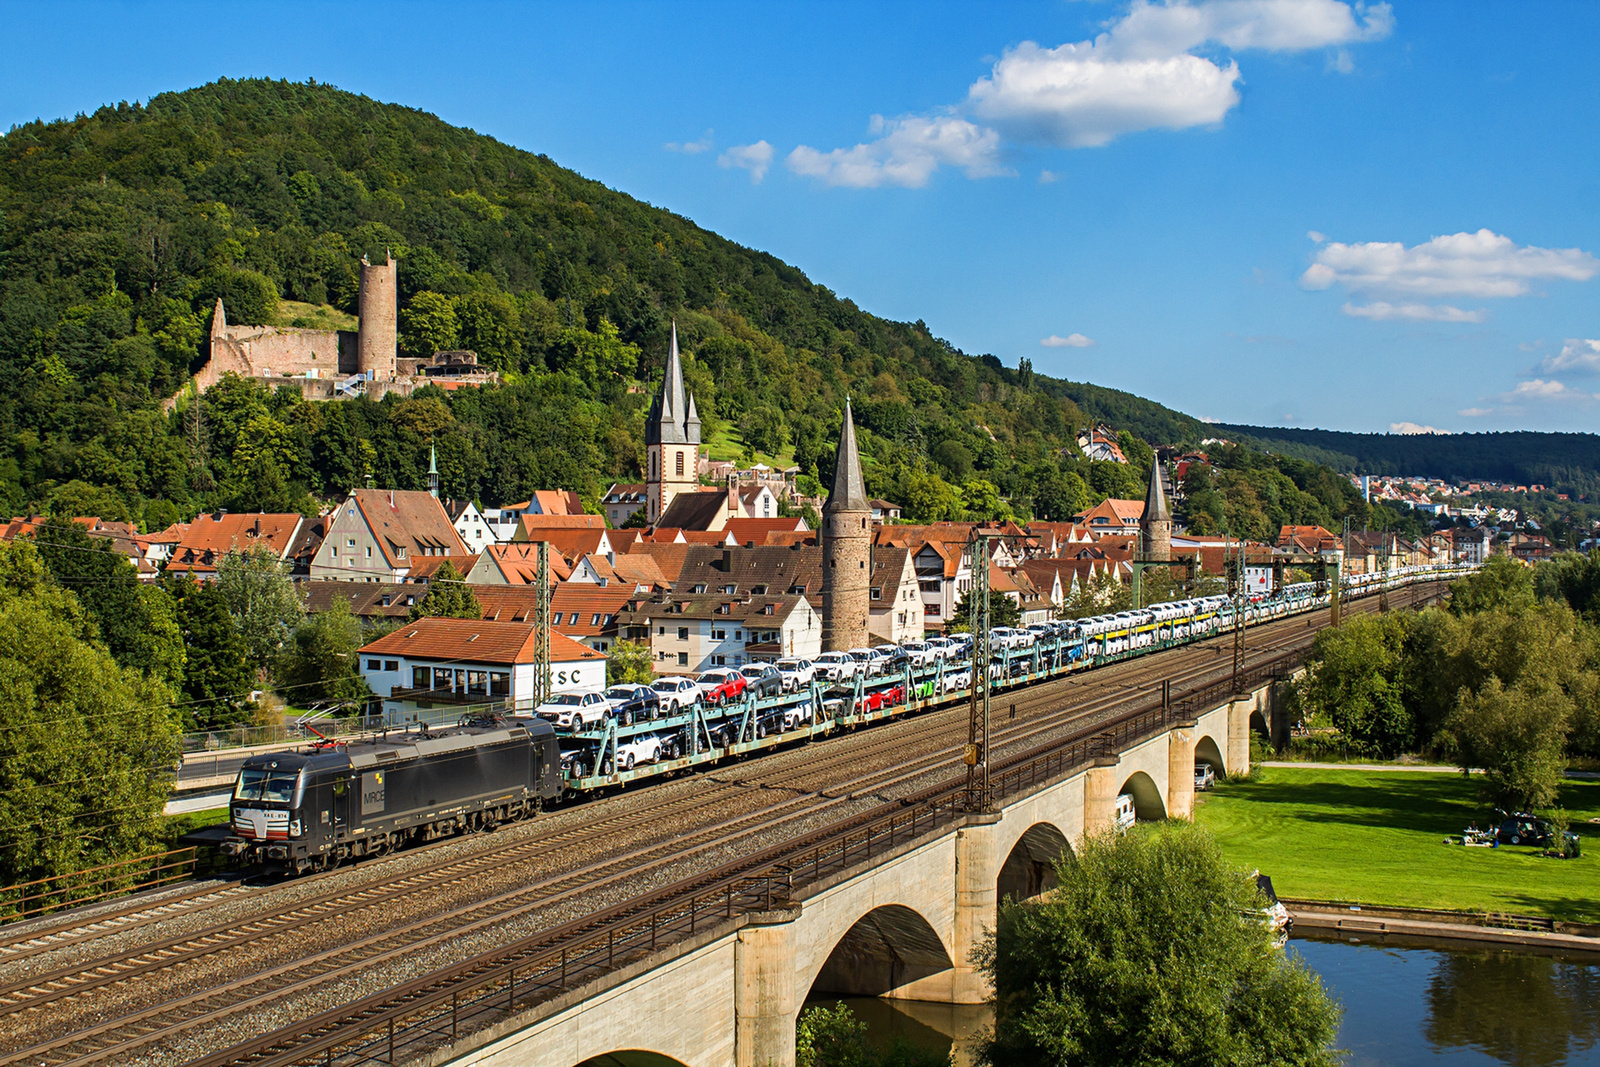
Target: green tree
(320, 662)
(261, 596)
(1518, 737)
(834, 1037)
(135, 620)
(86, 742)
(218, 676)
(929, 498)
(449, 597)
(428, 325)
(629, 662)
(1573, 578)
(1150, 950)
(1501, 582)
(1003, 611)
(1355, 678)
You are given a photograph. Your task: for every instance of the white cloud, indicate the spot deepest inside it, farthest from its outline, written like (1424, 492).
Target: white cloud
(1578, 355)
(691, 148)
(1208, 419)
(1075, 96)
(1048, 176)
(1414, 428)
(1072, 340)
(1140, 74)
(1475, 413)
(1530, 346)
(910, 149)
(1481, 265)
(755, 158)
(1317, 236)
(1270, 25)
(1422, 312)
(1546, 389)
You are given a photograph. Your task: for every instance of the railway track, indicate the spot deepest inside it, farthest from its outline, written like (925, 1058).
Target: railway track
(1077, 704)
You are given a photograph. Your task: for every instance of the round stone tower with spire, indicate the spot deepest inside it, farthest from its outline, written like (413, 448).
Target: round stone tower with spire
(671, 439)
(846, 549)
(1155, 527)
(377, 303)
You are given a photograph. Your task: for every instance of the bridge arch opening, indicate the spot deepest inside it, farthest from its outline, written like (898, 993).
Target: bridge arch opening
(1147, 803)
(1206, 750)
(886, 949)
(632, 1058)
(1030, 869)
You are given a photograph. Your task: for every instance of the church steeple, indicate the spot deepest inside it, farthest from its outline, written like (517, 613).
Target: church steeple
(433, 473)
(671, 437)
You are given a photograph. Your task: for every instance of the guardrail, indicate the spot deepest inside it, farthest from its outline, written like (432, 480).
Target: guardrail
(433, 1010)
(30, 899)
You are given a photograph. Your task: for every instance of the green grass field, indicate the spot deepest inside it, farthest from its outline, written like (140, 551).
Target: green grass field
(1376, 837)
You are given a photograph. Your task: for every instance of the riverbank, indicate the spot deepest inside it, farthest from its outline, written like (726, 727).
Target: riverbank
(1377, 837)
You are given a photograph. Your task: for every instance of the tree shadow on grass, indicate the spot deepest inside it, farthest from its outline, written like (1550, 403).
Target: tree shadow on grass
(1428, 803)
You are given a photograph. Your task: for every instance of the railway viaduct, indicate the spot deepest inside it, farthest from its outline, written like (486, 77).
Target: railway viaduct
(901, 924)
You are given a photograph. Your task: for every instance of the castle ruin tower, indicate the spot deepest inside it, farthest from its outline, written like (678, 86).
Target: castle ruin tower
(671, 439)
(846, 549)
(1155, 527)
(378, 304)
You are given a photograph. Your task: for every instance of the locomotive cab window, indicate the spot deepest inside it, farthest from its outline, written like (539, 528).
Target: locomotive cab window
(272, 786)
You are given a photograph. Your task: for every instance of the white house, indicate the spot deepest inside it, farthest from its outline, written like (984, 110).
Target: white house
(434, 670)
(702, 632)
(378, 535)
(475, 530)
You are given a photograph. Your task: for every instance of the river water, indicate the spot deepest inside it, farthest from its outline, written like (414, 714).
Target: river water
(1406, 1001)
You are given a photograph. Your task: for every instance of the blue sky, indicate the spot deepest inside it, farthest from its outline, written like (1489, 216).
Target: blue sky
(1284, 212)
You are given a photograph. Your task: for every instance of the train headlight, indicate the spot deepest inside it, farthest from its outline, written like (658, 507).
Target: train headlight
(296, 828)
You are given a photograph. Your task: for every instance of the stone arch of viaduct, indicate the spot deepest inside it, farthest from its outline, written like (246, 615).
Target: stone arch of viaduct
(902, 925)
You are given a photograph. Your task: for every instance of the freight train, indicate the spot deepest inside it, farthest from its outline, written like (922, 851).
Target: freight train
(334, 801)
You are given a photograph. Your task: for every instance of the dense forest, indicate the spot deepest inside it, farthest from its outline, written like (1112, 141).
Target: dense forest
(1566, 462)
(119, 229)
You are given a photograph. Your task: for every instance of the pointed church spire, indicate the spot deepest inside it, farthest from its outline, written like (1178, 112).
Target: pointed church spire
(672, 418)
(433, 473)
(849, 491)
(1155, 500)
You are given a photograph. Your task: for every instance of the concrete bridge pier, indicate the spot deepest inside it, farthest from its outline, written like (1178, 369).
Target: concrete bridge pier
(1180, 771)
(1102, 783)
(766, 1003)
(977, 906)
(1239, 711)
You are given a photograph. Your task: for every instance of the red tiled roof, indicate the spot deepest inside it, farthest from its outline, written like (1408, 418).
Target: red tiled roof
(211, 537)
(474, 641)
(756, 531)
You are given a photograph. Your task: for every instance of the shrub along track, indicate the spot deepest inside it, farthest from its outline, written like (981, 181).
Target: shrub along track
(219, 979)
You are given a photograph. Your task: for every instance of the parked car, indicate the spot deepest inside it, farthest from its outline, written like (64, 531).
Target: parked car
(721, 685)
(642, 748)
(871, 659)
(895, 660)
(1524, 829)
(676, 693)
(763, 678)
(942, 647)
(921, 653)
(797, 715)
(1204, 777)
(630, 703)
(797, 673)
(837, 667)
(575, 711)
(958, 678)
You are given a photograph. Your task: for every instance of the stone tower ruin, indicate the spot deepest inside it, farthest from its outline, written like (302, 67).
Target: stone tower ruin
(378, 306)
(846, 549)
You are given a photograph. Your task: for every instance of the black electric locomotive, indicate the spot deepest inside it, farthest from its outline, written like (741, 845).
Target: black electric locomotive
(311, 809)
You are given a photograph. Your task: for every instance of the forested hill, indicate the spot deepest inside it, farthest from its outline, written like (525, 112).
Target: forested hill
(119, 229)
(1561, 460)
